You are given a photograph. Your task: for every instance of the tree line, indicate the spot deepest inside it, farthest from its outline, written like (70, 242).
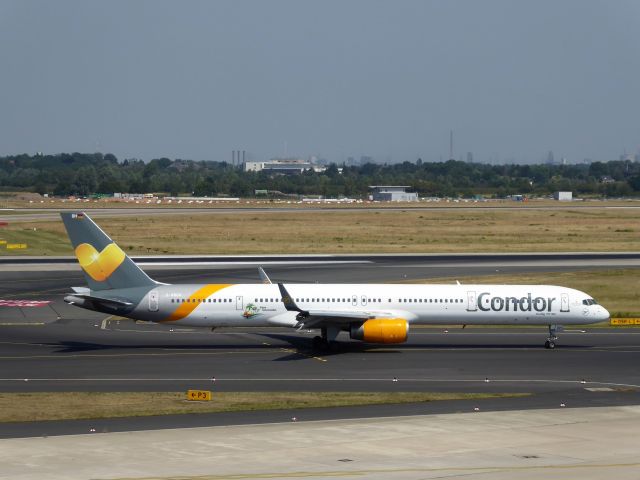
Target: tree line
(96, 173)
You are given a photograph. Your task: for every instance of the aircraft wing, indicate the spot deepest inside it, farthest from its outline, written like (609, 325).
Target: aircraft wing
(315, 318)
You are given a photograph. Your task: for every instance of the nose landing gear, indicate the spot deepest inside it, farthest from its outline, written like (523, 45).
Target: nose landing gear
(550, 344)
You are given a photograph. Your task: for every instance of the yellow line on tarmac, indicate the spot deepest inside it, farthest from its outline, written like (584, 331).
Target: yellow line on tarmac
(298, 352)
(291, 350)
(105, 322)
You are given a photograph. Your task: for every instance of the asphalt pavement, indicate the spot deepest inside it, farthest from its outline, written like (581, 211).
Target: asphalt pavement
(88, 351)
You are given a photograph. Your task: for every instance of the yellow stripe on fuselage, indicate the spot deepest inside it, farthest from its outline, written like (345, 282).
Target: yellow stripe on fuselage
(187, 307)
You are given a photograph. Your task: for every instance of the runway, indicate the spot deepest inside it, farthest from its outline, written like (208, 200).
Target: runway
(88, 351)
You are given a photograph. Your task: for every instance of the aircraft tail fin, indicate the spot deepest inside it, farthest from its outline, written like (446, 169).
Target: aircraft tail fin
(104, 264)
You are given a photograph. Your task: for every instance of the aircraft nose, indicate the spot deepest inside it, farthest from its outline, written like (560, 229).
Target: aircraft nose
(603, 314)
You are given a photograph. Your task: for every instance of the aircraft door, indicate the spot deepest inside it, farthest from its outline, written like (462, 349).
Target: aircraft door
(153, 301)
(472, 304)
(363, 299)
(564, 302)
(239, 303)
(354, 300)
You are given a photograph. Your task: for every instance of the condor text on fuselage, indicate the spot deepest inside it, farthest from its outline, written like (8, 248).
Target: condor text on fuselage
(514, 304)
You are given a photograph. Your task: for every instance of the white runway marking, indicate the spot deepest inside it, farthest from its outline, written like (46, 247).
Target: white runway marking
(367, 380)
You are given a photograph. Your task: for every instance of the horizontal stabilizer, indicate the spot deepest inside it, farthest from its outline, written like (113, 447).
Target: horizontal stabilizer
(112, 302)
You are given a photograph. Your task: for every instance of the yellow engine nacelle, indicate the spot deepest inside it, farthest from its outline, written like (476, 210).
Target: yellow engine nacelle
(381, 330)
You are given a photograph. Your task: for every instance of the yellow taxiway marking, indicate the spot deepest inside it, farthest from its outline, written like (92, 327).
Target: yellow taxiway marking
(298, 352)
(105, 322)
(291, 350)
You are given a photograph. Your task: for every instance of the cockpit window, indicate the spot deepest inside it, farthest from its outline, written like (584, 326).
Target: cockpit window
(589, 301)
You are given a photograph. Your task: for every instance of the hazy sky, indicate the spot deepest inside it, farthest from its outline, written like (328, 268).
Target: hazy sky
(197, 79)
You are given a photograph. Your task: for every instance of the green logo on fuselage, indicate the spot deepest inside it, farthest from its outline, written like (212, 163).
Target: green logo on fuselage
(250, 311)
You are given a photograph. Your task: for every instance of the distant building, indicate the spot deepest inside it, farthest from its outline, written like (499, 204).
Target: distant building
(469, 157)
(550, 158)
(563, 196)
(392, 193)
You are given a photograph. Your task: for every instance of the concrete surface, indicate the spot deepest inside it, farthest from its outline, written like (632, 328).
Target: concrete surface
(585, 443)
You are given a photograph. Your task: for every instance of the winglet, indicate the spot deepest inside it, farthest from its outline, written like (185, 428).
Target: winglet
(289, 304)
(263, 276)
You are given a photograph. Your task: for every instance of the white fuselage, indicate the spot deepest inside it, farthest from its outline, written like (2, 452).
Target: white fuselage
(262, 305)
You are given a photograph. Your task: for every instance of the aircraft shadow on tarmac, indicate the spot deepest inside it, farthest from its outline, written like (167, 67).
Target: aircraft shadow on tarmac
(301, 346)
(78, 347)
(304, 349)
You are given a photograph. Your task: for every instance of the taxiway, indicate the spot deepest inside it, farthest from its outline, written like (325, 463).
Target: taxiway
(87, 351)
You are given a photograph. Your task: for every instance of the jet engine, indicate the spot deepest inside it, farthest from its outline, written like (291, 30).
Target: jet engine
(381, 330)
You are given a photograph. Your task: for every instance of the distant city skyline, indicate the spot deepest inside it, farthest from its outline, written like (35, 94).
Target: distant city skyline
(332, 79)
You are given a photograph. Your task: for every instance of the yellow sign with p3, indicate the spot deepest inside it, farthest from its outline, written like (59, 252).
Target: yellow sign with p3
(198, 395)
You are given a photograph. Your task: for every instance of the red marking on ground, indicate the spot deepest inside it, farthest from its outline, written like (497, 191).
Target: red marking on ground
(24, 303)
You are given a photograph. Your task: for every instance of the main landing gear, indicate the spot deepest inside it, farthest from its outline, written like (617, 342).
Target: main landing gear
(320, 344)
(550, 344)
(327, 340)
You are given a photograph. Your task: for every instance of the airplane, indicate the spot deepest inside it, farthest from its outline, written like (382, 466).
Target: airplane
(372, 313)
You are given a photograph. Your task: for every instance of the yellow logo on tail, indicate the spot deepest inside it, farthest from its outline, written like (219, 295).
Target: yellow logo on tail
(99, 265)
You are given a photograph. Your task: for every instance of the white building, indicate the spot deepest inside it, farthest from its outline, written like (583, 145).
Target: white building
(563, 196)
(392, 193)
(286, 166)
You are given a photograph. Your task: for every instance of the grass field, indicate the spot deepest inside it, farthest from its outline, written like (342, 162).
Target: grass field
(362, 231)
(26, 407)
(617, 290)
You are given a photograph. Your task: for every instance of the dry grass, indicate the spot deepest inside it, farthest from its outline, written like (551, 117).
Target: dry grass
(617, 290)
(365, 231)
(24, 407)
